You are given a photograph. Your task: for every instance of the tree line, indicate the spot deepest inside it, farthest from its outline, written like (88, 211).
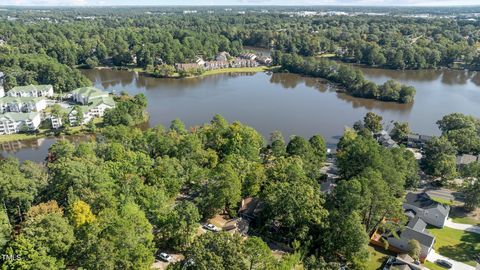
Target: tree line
(112, 203)
(348, 77)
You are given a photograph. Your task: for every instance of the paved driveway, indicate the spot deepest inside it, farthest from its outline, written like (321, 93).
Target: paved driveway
(433, 256)
(463, 227)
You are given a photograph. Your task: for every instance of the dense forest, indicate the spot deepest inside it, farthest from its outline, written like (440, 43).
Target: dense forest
(95, 37)
(349, 78)
(112, 203)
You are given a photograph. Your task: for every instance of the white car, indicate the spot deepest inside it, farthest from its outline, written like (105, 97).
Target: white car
(165, 257)
(210, 227)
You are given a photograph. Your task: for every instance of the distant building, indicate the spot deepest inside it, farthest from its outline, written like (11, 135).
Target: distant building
(210, 65)
(22, 104)
(31, 91)
(186, 66)
(418, 141)
(384, 139)
(421, 205)
(14, 122)
(265, 60)
(95, 109)
(222, 56)
(250, 56)
(86, 95)
(240, 63)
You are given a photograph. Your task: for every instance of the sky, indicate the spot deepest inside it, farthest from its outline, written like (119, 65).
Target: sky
(238, 2)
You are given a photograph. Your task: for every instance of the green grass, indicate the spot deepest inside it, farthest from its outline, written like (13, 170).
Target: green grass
(326, 55)
(233, 70)
(433, 266)
(465, 220)
(458, 245)
(19, 137)
(443, 201)
(377, 257)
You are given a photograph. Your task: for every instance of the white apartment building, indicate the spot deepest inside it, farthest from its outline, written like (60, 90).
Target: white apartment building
(22, 104)
(31, 91)
(14, 122)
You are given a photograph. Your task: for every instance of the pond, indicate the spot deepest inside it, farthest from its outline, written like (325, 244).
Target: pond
(289, 103)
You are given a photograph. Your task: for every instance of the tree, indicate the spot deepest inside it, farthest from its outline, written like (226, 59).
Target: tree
(124, 236)
(277, 144)
(439, 159)
(81, 213)
(414, 249)
(400, 132)
(179, 228)
(456, 121)
(5, 229)
(373, 122)
(471, 190)
(222, 192)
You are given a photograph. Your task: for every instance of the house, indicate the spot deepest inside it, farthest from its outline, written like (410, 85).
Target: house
(422, 206)
(210, 65)
(384, 139)
(240, 63)
(31, 91)
(200, 61)
(415, 229)
(249, 56)
(86, 95)
(186, 66)
(402, 262)
(14, 122)
(249, 208)
(418, 141)
(222, 56)
(265, 60)
(466, 159)
(22, 104)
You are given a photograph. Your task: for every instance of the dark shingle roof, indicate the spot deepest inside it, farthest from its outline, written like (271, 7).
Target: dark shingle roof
(423, 200)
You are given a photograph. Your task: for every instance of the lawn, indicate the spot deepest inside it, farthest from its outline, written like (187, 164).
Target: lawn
(232, 70)
(377, 257)
(433, 266)
(466, 220)
(456, 244)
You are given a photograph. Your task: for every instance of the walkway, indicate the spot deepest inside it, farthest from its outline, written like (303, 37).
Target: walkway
(433, 256)
(464, 227)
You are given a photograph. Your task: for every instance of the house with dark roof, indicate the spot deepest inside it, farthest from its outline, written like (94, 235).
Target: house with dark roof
(415, 229)
(418, 141)
(421, 205)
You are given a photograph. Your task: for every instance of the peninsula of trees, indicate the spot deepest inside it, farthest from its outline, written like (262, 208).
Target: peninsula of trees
(349, 78)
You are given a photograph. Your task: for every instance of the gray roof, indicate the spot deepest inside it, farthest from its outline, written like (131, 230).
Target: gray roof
(423, 237)
(417, 224)
(466, 159)
(423, 200)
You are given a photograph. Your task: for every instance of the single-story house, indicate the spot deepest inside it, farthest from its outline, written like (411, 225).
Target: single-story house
(86, 95)
(415, 229)
(14, 122)
(403, 261)
(421, 205)
(31, 91)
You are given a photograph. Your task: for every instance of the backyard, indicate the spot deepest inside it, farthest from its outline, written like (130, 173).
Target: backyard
(455, 244)
(377, 257)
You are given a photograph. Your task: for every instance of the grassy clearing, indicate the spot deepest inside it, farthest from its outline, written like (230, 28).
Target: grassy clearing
(466, 220)
(235, 70)
(326, 55)
(456, 244)
(19, 137)
(377, 257)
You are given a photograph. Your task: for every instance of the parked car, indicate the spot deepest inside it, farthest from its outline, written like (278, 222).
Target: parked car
(444, 263)
(210, 227)
(165, 257)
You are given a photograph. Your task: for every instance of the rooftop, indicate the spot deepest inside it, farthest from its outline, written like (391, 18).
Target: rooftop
(423, 200)
(9, 99)
(15, 117)
(90, 92)
(30, 88)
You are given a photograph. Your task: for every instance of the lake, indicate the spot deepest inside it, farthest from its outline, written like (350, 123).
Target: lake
(287, 102)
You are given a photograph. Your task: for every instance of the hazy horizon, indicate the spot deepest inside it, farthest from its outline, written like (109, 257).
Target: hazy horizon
(379, 3)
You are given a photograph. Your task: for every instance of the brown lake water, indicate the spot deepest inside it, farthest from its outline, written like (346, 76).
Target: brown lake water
(290, 103)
